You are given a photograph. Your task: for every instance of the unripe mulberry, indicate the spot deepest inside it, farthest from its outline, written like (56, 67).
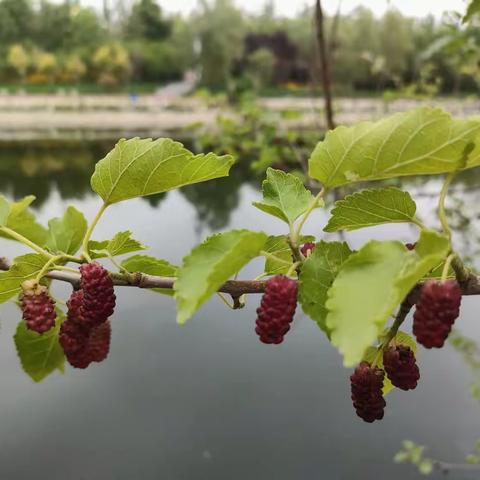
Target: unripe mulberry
(307, 248)
(436, 311)
(367, 384)
(277, 309)
(38, 308)
(98, 294)
(400, 366)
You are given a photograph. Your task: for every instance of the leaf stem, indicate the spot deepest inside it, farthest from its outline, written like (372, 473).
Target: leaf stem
(120, 268)
(446, 267)
(72, 258)
(441, 204)
(26, 241)
(225, 301)
(293, 268)
(90, 230)
(46, 267)
(66, 269)
(416, 221)
(313, 205)
(402, 313)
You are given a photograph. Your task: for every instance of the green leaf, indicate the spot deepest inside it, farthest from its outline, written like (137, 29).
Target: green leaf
(401, 338)
(140, 167)
(151, 266)
(23, 268)
(318, 273)
(370, 286)
(4, 211)
(120, 244)
(65, 234)
(23, 221)
(40, 355)
(210, 265)
(472, 10)
(418, 142)
(278, 246)
(371, 207)
(284, 196)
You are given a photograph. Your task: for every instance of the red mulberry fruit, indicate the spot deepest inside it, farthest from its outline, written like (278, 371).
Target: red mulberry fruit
(83, 346)
(277, 309)
(74, 304)
(38, 308)
(307, 248)
(410, 246)
(99, 342)
(436, 311)
(80, 359)
(98, 294)
(367, 385)
(400, 366)
(83, 341)
(73, 337)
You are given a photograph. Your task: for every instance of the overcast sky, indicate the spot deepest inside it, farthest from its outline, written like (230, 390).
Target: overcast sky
(417, 8)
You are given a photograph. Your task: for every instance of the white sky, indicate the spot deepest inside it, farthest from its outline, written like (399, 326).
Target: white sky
(418, 8)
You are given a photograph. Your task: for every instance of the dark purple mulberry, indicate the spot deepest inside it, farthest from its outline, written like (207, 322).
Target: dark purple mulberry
(411, 246)
(98, 295)
(400, 366)
(367, 385)
(38, 307)
(277, 309)
(307, 248)
(436, 311)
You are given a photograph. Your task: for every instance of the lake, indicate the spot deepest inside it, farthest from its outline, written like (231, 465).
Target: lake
(208, 400)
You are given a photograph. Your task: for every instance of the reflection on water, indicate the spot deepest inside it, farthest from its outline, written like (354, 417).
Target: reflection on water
(208, 401)
(40, 167)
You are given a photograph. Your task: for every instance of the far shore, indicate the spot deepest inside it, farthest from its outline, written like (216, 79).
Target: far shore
(34, 116)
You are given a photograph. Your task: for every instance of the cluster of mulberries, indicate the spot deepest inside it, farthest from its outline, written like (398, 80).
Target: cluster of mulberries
(37, 306)
(277, 309)
(367, 381)
(85, 335)
(437, 309)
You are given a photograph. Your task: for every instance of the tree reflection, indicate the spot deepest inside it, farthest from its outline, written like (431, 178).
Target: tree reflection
(65, 166)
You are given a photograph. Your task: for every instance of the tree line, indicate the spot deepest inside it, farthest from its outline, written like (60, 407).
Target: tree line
(68, 43)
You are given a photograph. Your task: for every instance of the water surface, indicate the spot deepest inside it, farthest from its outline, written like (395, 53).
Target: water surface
(208, 400)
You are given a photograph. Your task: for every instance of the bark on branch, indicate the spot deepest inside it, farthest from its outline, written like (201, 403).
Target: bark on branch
(235, 288)
(469, 284)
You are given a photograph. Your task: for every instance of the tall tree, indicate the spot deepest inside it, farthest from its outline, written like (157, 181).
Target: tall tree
(16, 20)
(220, 29)
(146, 21)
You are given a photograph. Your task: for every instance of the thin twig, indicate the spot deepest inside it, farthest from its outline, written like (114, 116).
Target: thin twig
(324, 58)
(236, 288)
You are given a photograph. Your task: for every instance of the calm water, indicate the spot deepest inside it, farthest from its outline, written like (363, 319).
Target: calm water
(208, 400)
